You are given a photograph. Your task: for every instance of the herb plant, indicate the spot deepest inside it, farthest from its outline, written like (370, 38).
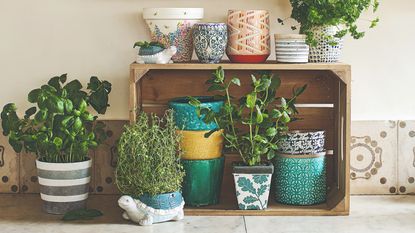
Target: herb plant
(146, 44)
(253, 125)
(149, 156)
(341, 13)
(59, 129)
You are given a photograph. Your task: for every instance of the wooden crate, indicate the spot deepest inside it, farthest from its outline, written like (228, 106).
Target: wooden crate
(324, 105)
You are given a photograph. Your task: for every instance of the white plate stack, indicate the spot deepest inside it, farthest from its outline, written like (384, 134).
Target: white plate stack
(291, 48)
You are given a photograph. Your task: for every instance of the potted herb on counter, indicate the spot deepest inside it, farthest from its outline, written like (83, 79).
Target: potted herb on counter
(252, 127)
(149, 170)
(60, 130)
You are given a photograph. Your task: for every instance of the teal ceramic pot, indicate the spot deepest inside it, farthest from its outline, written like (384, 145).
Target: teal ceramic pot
(300, 179)
(163, 201)
(185, 114)
(203, 180)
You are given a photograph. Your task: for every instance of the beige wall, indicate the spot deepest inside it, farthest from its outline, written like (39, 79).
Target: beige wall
(43, 38)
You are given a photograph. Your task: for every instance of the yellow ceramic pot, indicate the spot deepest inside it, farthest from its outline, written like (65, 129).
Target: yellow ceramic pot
(195, 146)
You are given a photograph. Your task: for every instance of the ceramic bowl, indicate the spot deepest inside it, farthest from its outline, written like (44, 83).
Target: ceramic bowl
(195, 146)
(302, 142)
(185, 114)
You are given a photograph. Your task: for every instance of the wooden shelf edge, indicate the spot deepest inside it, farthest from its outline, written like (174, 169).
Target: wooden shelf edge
(268, 212)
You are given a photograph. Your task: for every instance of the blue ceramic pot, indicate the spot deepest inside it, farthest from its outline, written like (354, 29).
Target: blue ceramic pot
(185, 114)
(210, 40)
(163, 201)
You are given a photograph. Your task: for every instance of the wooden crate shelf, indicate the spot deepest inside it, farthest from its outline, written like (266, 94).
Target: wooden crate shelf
(324, 105)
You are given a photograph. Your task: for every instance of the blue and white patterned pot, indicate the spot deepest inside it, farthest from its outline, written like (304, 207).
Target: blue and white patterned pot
(302, 142)
(210, 40)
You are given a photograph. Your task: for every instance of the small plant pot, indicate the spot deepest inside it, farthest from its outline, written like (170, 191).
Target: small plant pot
(64, 186)
(173, 27)
(163, 201)
(248, 36)
(185, 114)
(196, 147)
(291, 48)
(325, 51)
(300, 179)
(210, 40)
(252, 184)
(203, 180)
(302, 142)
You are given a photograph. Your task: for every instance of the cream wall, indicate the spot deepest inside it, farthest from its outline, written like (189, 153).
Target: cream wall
(43, 38)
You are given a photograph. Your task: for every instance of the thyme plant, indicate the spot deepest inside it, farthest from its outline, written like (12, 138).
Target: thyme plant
(149, 156)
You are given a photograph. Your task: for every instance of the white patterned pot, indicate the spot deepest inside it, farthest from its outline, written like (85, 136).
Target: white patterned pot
(64, 186)
(291, 48)
(324, 52)
(252, 184)
(302, 142)
(173, 27)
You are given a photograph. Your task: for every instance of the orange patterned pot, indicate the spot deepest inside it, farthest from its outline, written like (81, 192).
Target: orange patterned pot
(248, 33)
(196, 147)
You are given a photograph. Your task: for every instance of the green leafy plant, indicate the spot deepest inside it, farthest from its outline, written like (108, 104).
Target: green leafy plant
(146, 44)
(253, 125)
(82, 214)
(59, 128)
(149, 156)
(344, 13)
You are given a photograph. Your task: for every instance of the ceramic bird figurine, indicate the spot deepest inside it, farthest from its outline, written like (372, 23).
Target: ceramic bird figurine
(162, 57)
(140, 213)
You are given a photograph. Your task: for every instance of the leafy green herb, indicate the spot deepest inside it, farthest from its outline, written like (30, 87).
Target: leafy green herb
(146, 44)
(82, 214)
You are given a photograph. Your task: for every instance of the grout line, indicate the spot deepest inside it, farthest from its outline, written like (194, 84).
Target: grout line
(246, 230)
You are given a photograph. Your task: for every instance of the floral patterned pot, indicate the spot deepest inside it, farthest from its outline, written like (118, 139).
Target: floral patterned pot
(324, 52)
(173, 27)
(195, 146)
(302, 142)
(252, 184)
(203, 180)
(248, 36)
(163, 201)
(300, 179)
(185, 114)
(209, 40)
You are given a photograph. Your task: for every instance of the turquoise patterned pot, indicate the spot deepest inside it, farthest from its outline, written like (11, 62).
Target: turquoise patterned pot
(210, 40)
(185, 114)
(163, 201)
(252, 184)
(300, 179)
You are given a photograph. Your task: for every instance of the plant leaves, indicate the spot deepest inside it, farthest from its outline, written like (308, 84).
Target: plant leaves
(260, 179)
(251, 100)
(250, 199)
(82, 214)
(30, 112)
(270, 132)
(262, 189)
(236, 81)
(246, 185)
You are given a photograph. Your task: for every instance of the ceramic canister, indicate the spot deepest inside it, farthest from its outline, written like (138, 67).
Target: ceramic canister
(248, 36)
(210, 40)
(302, 142)
(291, 48)
(328, 48)
(173, 27)
(196, 146)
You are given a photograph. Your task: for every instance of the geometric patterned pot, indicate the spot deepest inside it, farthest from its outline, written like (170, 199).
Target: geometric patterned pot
(210, 40)
(326, 51)
(302, 142)
(300, 179)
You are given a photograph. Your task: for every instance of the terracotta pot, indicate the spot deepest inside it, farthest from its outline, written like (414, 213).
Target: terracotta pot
(195, 146)
(248, 36)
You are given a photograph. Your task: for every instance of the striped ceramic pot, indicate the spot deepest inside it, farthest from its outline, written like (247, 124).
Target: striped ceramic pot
(64, 186)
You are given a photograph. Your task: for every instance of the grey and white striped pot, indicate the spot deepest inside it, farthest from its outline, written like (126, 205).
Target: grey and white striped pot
(64, 186)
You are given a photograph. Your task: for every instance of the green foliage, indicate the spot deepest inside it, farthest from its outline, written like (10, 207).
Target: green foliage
(146, 44)
(314, 13)
(82, 214)
(59, 128)
(149, 156)
(256, 112)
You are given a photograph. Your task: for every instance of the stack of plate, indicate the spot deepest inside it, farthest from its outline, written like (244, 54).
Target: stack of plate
(291, 48)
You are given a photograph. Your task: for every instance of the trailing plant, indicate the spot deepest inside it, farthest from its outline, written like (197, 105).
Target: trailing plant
(253, 125)
(341, 13)
(59, 128)
(149, 156)
(146, 44)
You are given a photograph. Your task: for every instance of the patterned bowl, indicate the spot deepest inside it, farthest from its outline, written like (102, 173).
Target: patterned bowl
(302, 142)
(185, 114)
(195, 146)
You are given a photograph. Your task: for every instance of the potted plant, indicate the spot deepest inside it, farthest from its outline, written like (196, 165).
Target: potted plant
(60, 130)
(252, 127)
(326, 23)
(148, 167)
(154, 52)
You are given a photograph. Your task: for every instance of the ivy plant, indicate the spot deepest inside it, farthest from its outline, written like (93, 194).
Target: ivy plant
(149, 156)
(254, 124)
(59, 128)
(340, 13)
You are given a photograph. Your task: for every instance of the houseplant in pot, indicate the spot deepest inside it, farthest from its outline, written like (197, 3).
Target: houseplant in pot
(326, 23)
(149, 170)
(252, 127)
(60, 131)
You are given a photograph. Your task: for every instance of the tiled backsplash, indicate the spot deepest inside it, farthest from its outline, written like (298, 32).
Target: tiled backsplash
(382, 161)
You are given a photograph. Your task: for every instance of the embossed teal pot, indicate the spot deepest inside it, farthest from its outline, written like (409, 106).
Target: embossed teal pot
(64, 186)
(163, 201)
(252, 184)
(203, 180)
(185, 114)
(300, 179)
